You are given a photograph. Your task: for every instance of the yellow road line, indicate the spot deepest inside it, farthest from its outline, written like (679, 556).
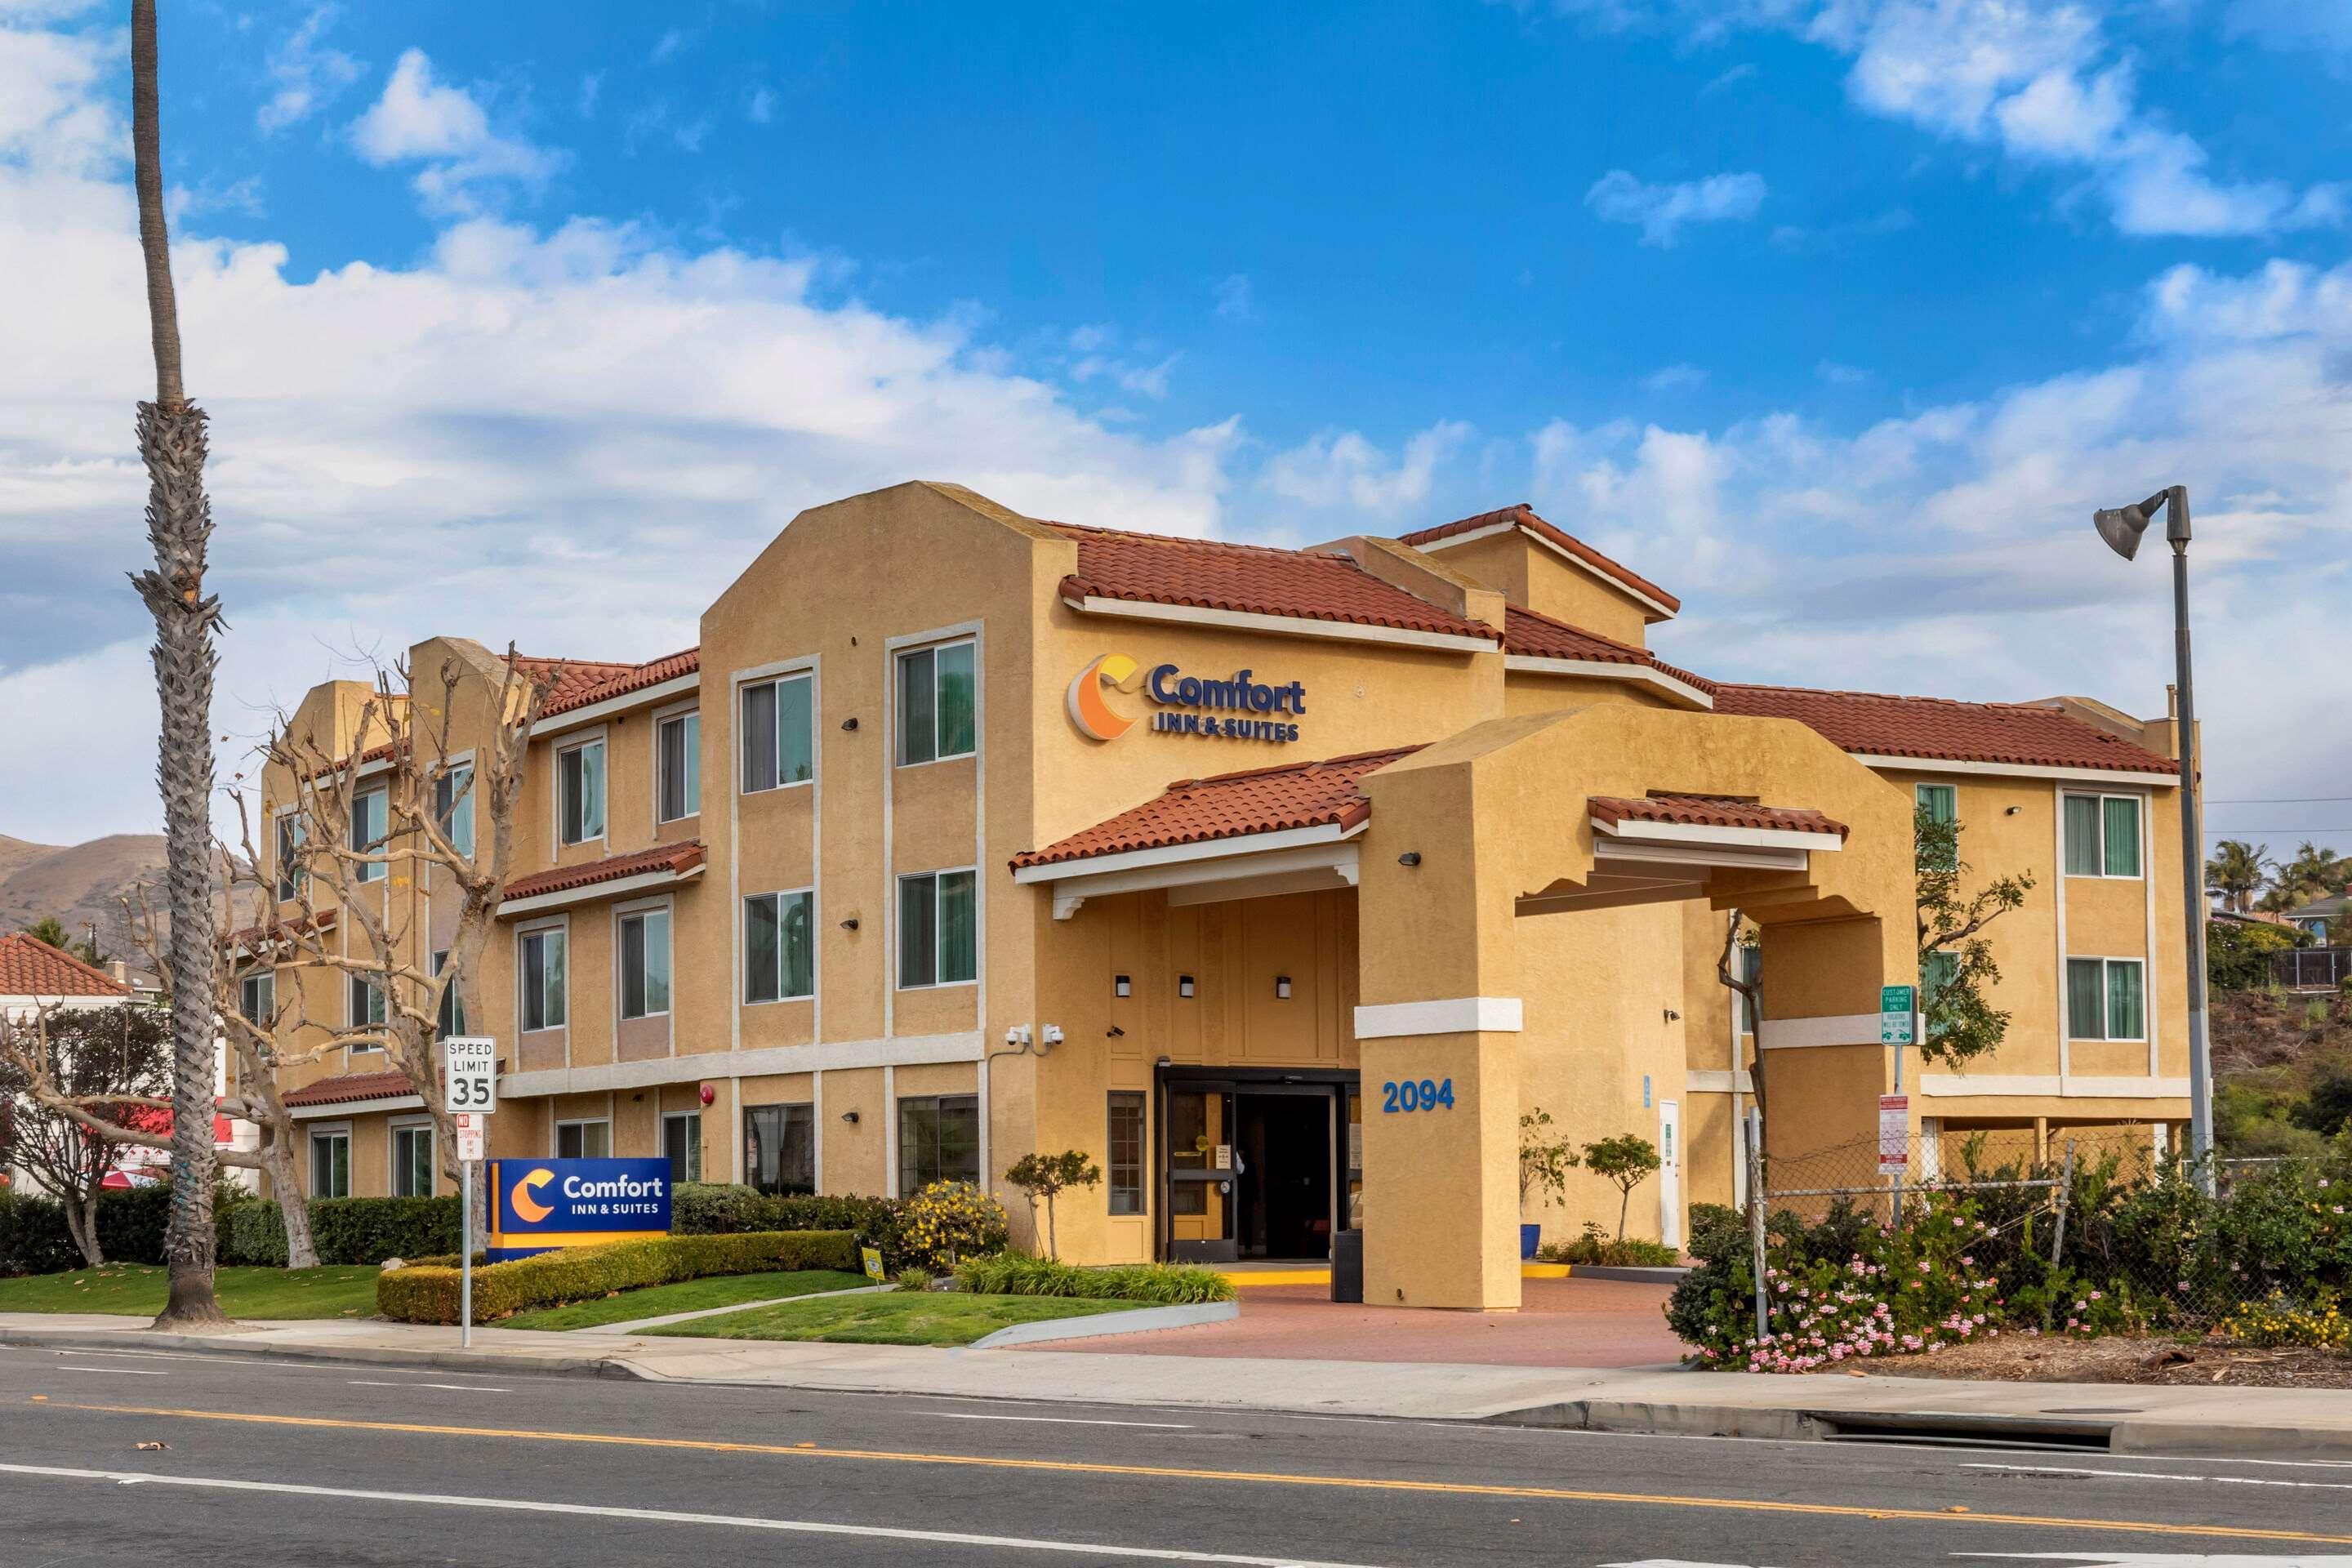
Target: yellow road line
(1254, 1478)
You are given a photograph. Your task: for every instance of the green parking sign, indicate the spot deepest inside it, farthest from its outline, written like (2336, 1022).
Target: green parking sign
(1895, 1004)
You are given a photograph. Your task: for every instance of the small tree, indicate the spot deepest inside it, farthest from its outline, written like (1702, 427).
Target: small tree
(1545, 1160)
(1628, 1161)
(117, 1061)
(1962, 1023)
(1044, 1175)
(1739, 940)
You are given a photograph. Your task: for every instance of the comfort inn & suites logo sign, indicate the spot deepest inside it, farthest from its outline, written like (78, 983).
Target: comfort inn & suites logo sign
(1238, 707)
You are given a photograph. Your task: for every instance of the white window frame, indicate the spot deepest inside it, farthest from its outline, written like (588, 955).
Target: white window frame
(555, 1138)
(898, 657)
(781, 679)
(244, 987)
(581, 742)
(522, 936)
(2139, 811)
(460, 805)
(2105, 962)
(393, 1131)
(899, 934)
(376, 870)
(324, 1133)
(696, 1118)
(285, 842)
(743, 922)
(622, 915)
(663, 718)
(352, 980)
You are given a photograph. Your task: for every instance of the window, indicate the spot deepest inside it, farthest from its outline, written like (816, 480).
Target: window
(452, 1017)
(543, 991)
(2106, 999)
(939, 1140)
(256, 997)
(368, 830)
(1937, 970)
(780, 1147)
(290, 849)
(412, 1162)
(2102, 835)
(644, 963)
(935, 704)
(779, 742)
(583, 1139)
(364, 1005)
(682, 1145)
(937, 935)
(677, 744)
(453, 805)
(580, 787)
(779, 947)
(331, 1164)
(1126, 1152)
(1941, 805)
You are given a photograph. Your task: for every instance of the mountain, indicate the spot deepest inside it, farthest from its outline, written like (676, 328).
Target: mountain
(78, 882)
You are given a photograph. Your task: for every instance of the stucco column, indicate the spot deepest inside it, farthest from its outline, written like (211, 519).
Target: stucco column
(1824, 1067)
(1440, 1011)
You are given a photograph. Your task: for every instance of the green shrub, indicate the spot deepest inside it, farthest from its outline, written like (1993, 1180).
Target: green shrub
(713, 1208)
(33, 1237)
(428, 1293)
(253, 1235)
(947, 1222)
(912, 1278)
(1595, 1249)
(2238, 954)
(370, 1230)
(132, 1222)
(1715, 1229)
(1168, 1284)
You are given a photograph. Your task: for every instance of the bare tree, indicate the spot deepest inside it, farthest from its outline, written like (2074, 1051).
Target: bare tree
(179, 526)
(113, 1060)
(1751, 992)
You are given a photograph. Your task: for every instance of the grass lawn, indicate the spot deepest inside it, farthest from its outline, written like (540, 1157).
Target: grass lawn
(691, 1296)
(899, 1318)
(137, 1291)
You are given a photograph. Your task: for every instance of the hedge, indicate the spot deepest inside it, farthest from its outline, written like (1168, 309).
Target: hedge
(252, 1234)
(1168, 1284)
(33, 1237)
(717, 1208)
(371, 1230)
(428, 1293)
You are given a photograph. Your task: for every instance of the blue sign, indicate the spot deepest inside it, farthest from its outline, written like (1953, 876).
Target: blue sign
(536, 1206)
(1260, 711)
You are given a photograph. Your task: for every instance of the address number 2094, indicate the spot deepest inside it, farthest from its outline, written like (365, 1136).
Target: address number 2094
(1428, 1094)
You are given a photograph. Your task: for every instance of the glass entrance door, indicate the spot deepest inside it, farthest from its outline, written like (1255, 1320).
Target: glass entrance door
(1197, 1155)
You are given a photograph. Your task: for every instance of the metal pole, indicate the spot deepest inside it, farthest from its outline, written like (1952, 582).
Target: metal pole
(1756, 1215)
(465, 1257)
(2193, 848)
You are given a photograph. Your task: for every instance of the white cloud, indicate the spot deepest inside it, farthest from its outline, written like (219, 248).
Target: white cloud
(467, 164)
(761, 108)
(1234, 301)
(1837, 374)
(308, 73)
(1661, 211)
(668, 46)
(1674, 378)
(1344, 469)
(591, 87)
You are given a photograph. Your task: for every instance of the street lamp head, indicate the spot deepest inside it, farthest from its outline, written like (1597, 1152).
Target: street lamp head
(2121, 527)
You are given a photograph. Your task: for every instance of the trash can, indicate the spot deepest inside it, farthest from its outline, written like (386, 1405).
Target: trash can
(1347, 1265)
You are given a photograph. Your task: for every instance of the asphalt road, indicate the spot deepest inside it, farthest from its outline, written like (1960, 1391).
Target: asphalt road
(268, 1463)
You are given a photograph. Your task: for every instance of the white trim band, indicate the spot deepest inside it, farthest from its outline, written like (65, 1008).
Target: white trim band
(830, 1056)
(1455, 1015)
(2010, 1086)
(1608, 669)
(1177, 854)
(596, 892)
(2018, 770)
(1797, 1033)
(355, 1107)
(1286, 626)
(1715, 1081)
(1701, 833)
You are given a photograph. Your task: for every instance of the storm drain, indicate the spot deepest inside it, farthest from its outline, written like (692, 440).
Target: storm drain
(2072, 1433)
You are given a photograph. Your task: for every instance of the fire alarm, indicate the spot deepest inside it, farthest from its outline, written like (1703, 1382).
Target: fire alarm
(708, 1094)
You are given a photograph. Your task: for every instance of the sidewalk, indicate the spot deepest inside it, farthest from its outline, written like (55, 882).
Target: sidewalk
(2243, 1423)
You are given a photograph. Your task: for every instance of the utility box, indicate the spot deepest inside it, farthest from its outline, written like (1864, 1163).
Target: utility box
(1346, 1266)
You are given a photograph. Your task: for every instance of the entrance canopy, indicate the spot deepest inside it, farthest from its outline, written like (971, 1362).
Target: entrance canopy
(1665, 845)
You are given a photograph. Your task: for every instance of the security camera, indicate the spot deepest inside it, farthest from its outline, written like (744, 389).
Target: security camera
(1018, 1035)
(1052, 1034)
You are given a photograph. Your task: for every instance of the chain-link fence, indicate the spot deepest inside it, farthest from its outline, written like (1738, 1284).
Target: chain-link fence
(2311, 968)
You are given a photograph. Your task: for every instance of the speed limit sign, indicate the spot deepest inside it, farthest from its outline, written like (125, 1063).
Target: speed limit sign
(471, 1064)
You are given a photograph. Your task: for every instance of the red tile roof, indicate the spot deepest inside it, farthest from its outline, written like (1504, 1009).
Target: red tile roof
(567, 678)
(1710, 811)
(632, 678)
(1539, 637)
(31, 967)
(679, 858)
(2021, 734)
(1524, 516)
(1255, 579)
(1264, 800)
(352, 1086)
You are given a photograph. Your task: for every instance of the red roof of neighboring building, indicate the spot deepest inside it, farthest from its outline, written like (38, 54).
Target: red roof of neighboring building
(1254, 579)
(31, 967)
(679, 857)
(1539, 637)
(2021, 734)
(1262, 800)
(1524, 516)
(1710, 811)
(631, 678)
(350, 1085)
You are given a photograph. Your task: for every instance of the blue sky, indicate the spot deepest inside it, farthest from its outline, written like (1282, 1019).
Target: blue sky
(1836, 316)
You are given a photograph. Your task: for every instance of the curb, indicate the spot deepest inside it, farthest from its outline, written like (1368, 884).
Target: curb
(451, 1359)
(1098, 1325)
(1637, 1275)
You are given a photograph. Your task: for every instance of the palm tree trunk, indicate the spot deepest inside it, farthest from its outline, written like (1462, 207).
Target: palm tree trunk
(179, 523)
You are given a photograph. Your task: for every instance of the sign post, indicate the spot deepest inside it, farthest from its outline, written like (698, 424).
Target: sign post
(1898, 1025)
(469, 1065)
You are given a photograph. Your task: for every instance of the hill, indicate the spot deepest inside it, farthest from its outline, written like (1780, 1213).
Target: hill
(2282, 1070)
(78, 882)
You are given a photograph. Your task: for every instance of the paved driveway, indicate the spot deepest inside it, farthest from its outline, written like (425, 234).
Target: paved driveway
(1562, 1322)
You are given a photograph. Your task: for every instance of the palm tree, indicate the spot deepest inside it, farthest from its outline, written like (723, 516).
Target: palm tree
(179, 523)
(2313, 873)
(2237, 870)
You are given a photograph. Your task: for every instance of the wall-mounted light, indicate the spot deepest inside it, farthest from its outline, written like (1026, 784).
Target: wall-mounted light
(1282, 987)
(2013, 811)
(1166, 1061)
(849, 924)
(1184, 986)
(1673, 1017)
(850, 1117)
(1121, 985)
(1114, 1033)
(1409, 858)
(849, 723)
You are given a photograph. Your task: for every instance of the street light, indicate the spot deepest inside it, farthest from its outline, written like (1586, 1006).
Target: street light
(2121, 528)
